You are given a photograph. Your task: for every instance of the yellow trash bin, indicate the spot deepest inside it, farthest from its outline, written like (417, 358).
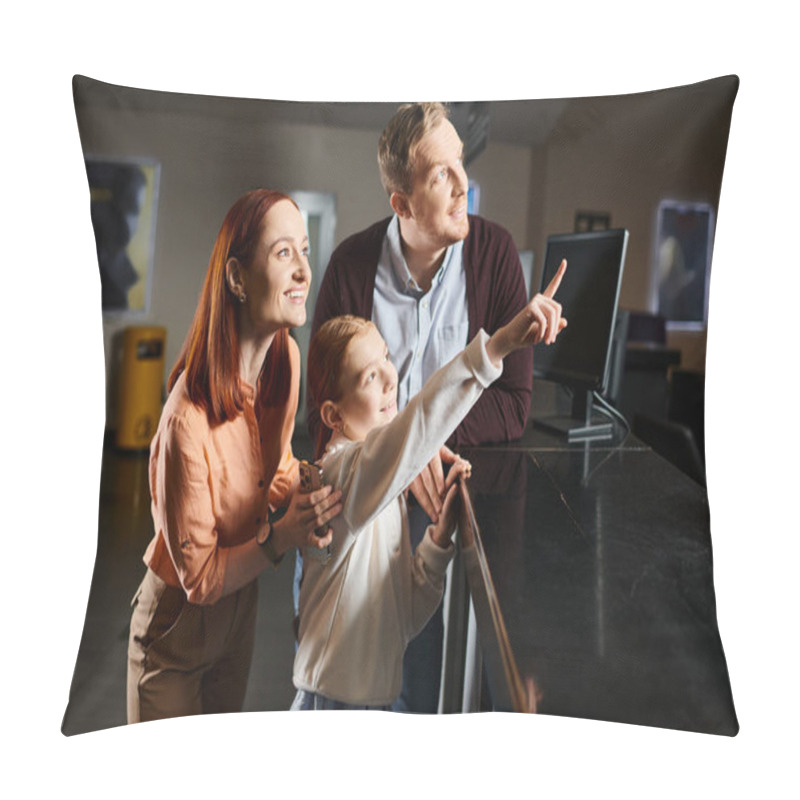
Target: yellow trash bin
(140, 386)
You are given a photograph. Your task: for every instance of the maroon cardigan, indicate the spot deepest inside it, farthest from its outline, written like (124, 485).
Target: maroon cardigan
(495, 293)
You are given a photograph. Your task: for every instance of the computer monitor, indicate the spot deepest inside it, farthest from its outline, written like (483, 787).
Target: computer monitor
(580, 357)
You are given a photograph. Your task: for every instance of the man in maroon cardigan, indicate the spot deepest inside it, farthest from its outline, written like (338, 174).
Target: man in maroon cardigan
(430, 277)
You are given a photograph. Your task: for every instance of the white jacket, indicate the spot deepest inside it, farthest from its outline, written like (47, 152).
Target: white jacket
(359, 610)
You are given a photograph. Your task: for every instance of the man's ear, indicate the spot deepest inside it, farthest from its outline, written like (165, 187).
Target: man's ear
(234, 276)
(329, 414)
(399, 203)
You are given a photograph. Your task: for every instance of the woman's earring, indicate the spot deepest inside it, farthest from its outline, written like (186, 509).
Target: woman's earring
(242, 297)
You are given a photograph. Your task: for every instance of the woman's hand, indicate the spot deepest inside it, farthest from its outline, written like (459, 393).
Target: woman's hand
(307, 513)
(539, 321)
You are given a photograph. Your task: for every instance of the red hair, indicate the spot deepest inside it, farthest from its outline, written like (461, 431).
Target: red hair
(210, 354)
(325, 359)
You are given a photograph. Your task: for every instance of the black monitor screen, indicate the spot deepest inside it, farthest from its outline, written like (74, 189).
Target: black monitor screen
(588, 294)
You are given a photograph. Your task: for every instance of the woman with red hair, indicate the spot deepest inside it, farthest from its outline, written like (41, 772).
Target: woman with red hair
(221, 465)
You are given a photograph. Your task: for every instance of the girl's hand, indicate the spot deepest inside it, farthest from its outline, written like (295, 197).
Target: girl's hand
(539, 321)
(307, 513)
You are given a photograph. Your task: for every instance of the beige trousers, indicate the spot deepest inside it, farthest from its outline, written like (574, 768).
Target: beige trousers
(188, 659)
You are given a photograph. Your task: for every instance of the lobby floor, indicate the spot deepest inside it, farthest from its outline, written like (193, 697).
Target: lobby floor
(125, 527)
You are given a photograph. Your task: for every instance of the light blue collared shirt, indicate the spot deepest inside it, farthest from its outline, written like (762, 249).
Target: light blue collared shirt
(423, 330)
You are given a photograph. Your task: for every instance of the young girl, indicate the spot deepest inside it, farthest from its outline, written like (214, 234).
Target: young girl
(361, 606)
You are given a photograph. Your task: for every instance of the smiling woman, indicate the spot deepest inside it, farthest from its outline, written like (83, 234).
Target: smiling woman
(220, 464)
(273, 287)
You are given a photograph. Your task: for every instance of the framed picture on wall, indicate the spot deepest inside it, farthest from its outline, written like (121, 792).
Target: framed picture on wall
(124, 202)
(683, 258)
(587, 221)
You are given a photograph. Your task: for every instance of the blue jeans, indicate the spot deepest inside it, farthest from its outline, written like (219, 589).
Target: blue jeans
(309, 701)
(298, 574)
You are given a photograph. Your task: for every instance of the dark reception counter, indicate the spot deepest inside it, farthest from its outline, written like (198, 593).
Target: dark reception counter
(589, 571)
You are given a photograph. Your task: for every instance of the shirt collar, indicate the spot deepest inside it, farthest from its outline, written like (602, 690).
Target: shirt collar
(398, 260)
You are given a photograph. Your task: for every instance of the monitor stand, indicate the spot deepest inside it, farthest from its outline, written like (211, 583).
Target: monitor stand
(578, 427)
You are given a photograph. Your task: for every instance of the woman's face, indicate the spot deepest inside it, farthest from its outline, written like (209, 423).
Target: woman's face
(277, 281)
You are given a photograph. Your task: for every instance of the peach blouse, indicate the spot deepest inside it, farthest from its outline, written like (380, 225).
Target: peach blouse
(211, 487)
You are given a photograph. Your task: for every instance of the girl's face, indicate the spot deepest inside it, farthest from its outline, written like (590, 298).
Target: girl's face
(277, 281)
(369, 386)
